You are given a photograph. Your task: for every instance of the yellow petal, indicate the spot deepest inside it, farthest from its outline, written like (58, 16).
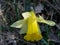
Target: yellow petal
(18, 24)
(26, 15)
(33, 37)
(42, 20)
(27, 37)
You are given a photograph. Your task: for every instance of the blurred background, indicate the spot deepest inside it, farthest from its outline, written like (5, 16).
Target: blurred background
(10, 12)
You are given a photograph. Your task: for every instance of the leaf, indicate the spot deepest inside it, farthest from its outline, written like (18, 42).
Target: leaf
(42, 20)
(18, 24)
(23, 29)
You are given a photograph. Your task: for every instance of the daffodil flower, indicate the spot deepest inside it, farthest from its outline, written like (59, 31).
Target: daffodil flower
(33, 33)
(30, 26)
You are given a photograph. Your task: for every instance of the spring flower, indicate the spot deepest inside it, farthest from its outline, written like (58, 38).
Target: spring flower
(33, 32)
(30, 26)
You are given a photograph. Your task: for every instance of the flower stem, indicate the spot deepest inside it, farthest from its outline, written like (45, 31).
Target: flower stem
(16, 8)
(27, 5)
(44, 41)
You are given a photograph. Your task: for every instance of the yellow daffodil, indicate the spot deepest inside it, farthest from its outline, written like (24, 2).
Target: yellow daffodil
(30, 26)
(33, 32)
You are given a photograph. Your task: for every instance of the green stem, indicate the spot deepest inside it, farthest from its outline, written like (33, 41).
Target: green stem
(44, 41)
(27, 5)
(46, 28)
(16, 8)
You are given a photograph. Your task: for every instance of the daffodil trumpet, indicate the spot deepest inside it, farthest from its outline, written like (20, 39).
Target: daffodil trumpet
(33, 33)
(29, 25)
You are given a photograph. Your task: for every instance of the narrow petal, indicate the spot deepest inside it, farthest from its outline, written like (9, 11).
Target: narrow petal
(24, 29)
(26, 15)
(18, 24)
(48, 22)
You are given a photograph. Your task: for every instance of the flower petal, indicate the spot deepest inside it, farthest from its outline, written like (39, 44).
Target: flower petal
(26, 15)
(18, 24)
(24, 29)
(42, 20)
(33, 37)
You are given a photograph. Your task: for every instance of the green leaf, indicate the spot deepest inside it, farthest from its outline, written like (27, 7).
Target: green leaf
(42, 20)
(18, 24)
(24, 29)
